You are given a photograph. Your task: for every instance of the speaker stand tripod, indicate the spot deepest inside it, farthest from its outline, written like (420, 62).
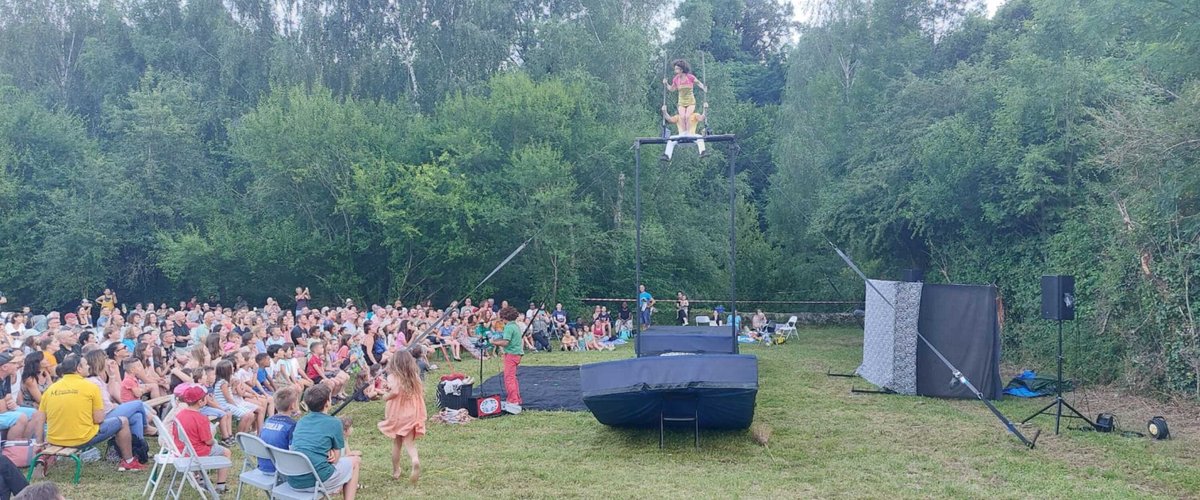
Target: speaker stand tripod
(1059, 402)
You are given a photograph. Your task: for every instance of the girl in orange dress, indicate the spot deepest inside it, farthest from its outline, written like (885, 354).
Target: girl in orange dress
(404, 417)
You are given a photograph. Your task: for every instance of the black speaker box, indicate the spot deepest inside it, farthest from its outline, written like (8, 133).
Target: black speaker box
(1058, 297)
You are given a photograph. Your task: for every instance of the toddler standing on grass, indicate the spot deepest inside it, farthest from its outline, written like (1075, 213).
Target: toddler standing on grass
(347, 429)
(404, 415)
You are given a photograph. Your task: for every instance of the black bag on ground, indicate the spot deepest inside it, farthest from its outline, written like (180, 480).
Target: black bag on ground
(451, 400)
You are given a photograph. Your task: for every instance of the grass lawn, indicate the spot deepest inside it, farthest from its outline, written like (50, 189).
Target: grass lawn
(824, 443)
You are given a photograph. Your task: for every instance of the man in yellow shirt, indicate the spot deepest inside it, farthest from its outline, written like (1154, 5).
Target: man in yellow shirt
(75, 414)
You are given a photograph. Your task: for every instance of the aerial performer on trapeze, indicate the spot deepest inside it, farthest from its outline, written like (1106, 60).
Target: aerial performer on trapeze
(686, 128)
(687, 120)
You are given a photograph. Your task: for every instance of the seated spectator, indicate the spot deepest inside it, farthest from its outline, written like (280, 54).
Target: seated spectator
(319, 437)
(104, 373)
(74, 409)
(277, 430)
(759, 321)
(560, 319)
(35, 378)
(21, 422)
(541, 331)
(49, 345)
(198, 431)
(132, 388)
(68, 343)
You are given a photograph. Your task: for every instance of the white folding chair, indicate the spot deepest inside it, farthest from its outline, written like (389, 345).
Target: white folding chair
(788, 330)
(253, 446)
(167, 453)
(703, 320)
(294, 463)
(190, 465)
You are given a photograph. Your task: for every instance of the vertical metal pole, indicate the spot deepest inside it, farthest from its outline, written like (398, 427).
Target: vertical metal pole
(1058, 386)
(733, 152)
(637, 249)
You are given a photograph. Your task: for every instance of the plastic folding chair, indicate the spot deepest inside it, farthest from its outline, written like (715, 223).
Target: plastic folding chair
(194, 469)
(294, 463)
(253, 446)
(167, 453)
(788, 330)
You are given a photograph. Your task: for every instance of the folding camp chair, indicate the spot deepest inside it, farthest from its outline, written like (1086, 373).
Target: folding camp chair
(167, 453)
(294, 463)
(194, 468)
(788, 330)
(253, 446)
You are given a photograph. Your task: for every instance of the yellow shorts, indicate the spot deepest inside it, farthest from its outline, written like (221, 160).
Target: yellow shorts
(686, 97)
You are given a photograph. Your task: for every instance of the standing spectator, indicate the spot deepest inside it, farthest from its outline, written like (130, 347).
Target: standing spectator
(645, 306)
(302, 298)
(74, 410)
(682, 308)
(319, 437)
(107, 300)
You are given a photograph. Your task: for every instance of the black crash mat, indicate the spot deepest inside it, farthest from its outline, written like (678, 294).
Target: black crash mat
(658, 340)
(551, 388)
(719, 389)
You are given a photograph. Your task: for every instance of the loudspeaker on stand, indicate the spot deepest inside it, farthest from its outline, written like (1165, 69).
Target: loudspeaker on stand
(1058, 297)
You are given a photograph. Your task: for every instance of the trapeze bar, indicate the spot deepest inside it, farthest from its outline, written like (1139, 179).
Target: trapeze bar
(687, 139)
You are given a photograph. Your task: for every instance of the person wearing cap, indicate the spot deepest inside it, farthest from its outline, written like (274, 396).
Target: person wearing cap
(71, 321)
(21, 422)
(197, 429)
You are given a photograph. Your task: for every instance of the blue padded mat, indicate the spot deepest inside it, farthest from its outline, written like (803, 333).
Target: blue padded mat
(720, 388)
(686, 339)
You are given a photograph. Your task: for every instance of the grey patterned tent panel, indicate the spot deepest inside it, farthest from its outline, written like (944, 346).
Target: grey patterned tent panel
(890, 337)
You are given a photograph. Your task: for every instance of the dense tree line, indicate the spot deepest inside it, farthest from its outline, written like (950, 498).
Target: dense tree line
(1058, 137)
(378, 149)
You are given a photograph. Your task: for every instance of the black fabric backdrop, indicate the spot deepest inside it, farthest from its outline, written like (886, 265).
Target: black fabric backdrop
(961, 321)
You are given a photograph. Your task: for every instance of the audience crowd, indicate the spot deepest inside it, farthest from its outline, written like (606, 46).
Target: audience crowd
(87, 376)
